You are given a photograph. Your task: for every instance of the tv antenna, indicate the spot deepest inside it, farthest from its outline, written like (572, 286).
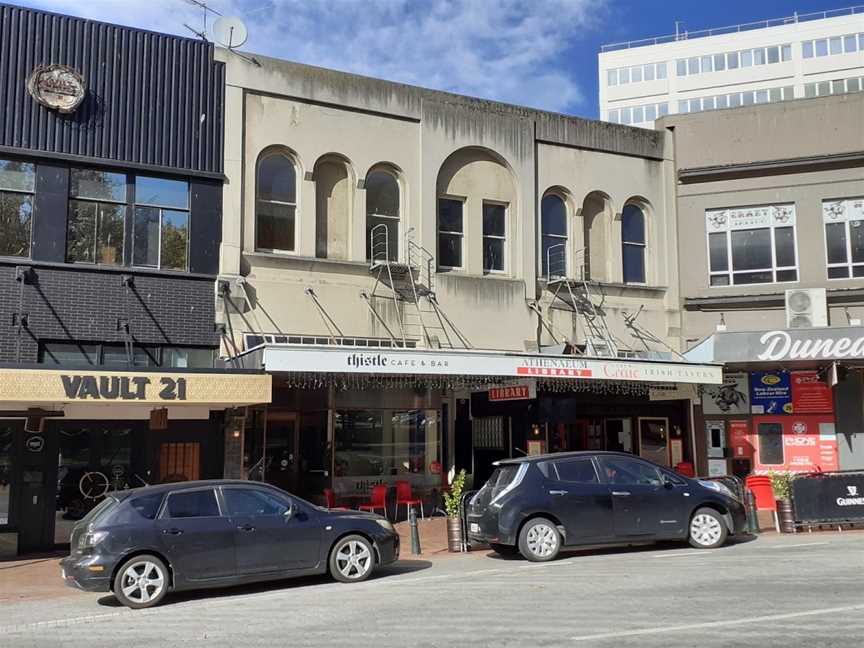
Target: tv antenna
(202, 34)
(229, 32)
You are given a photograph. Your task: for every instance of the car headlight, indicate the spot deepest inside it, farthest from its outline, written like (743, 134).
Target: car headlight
(91, 539)
(386, 524)
(718, 487)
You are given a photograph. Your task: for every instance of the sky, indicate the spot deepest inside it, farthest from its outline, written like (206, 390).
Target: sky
(537, 53)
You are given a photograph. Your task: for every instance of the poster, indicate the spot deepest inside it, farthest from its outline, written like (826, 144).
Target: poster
(770, 392)
(794, 443)
(739, 439)
(717, 468)
(732, 397)
(810, 395)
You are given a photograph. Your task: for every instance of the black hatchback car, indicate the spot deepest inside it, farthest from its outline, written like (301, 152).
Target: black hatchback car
(141, 543)
(537, 505)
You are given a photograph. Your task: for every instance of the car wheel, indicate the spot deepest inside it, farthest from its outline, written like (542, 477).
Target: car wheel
(707, 529)
(141, 582)
(352, 559)
(504, 550)
(539, 540)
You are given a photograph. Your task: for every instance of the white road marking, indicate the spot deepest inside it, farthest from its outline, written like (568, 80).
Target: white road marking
(717, 624)
(689, 554)
(802, 544)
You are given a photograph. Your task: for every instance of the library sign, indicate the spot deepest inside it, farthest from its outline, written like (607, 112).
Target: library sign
(52, 386)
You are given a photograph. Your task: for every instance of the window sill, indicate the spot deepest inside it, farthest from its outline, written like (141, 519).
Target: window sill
(296, 261)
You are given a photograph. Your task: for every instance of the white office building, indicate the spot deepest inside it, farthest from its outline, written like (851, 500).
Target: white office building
(804, 55)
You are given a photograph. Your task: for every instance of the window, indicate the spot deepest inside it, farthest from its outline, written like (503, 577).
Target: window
(695, 105)
(706, 64)
(160, 230)
(663, 109)
(761, 96)
(752, 245)
(638, 115)
(786, 53)
(683, 106)
(770, 443)
(449, 233)
(382, 216)
(69, 353)
(735, 100)
(192, 504)
(626, 115)
(276, 203)
(116, 355)
(636, 74)
(693, 65)
(722, 101)
(838, 86)
(553, 228)
(187, 357)
(661, 68)
(759, 56)
(774, 54)
(97, 217)
(850, 44)
(810, 90)
(835, 45)
(719, 62)
(576, 471)
(732, 60)
(648, 72)
(844, 237)
(807, 48)
(612, 116)
(823, 88)
(623, 471)
(8, 433)
(494, 238)
(633, 244)
(650, 113)
(776, 94)
(250, 502)
(611, 77)
(17, 183)
(746, 58)
(681, 67)
(821, 46)
(624, 76)
(853, 85)
(133, 509)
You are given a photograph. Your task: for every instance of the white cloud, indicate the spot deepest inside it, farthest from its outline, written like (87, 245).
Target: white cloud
(509, 50)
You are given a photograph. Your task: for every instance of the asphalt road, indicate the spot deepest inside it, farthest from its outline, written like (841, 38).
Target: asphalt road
(803, 590)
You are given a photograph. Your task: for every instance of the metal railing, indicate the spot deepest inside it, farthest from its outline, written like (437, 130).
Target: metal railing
(379, 245)
(557, 266)
(731, 29)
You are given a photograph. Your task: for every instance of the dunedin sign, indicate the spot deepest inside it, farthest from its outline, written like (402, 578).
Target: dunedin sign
(58, 87)
(846, 343)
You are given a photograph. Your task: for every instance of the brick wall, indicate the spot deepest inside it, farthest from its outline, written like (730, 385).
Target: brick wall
(85, 305)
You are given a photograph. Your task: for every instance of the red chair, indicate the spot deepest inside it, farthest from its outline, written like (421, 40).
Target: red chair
(378, 501)
(406, 497)
(330, 497)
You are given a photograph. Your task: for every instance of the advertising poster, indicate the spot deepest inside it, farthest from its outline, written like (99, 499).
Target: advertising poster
(810, 395)
(732, 397)
(794, 444)
(739, 439)
(770, 392)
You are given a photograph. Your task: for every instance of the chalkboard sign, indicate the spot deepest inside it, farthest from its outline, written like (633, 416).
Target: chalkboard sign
(829, 497)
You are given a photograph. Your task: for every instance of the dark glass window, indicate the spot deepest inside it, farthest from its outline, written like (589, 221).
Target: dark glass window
(190, 504)
(8, 432)
(844, 242)
(160, 230)
(251, 502)
(71, 354)
(159, 192)
(494, 237)
(751, 249)
(449, 233)
(623, 471)
(382, 216)
(633, 244)
(97, 217)
(276, 203)
(553, 227)
(770, 443)
(718, 252)
(577, 471)
(17, 182)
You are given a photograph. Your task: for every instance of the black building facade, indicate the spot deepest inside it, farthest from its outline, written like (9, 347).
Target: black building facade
(111, 179)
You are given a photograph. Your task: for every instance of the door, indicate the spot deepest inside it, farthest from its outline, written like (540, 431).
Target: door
(197, 538)
(619, 434)
(179, 462)
(654, 440)
(269, 535)
(642, 501)
(314, 457)
(280, 451)
(715, 432)
(580, 500)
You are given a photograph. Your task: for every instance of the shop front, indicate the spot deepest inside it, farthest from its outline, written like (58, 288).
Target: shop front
(67, 438)
(346, 420)
(790, 401)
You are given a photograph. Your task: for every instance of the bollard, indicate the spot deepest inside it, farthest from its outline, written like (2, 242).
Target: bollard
(415, 534)
(752, 518)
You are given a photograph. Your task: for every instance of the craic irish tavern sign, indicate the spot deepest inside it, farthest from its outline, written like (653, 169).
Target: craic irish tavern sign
(58, 87)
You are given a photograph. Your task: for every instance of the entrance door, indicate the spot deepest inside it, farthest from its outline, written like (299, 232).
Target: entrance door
(179, 462)
(314, 459)
(280, 450)
(654, 440)
(619, 434)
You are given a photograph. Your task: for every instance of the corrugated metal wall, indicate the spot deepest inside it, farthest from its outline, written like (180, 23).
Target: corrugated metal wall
(152, 99)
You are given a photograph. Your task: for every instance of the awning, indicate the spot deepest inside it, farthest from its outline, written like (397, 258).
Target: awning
(275, 358)
(214, 389)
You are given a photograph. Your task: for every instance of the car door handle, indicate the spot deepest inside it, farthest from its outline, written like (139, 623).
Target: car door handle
(246, 527)
(558, 492)
(621, 493)
(172, 531)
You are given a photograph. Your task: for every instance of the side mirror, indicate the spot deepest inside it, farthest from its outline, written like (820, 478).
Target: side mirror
(289, 513)
(668, 483)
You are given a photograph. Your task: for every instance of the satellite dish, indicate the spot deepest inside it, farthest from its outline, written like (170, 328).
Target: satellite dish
(229, 32)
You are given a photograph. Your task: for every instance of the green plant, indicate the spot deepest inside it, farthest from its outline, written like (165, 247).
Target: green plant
(451, 499)
(781, 484)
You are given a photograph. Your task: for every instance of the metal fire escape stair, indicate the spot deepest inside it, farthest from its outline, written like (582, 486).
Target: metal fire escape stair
(410, 287)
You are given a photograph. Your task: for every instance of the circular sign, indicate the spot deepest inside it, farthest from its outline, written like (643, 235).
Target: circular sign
(58, 87)
(35, 443)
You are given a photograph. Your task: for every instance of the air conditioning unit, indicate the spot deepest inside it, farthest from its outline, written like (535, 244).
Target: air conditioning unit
(806, 308)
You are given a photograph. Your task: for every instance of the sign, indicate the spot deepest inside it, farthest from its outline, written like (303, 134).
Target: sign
(483, 363)
(770, 392)
(522, 391)
(810, 395)
(828, 498)
(53, 386)
(722, 220)
(794, 443)
(35, 443)
(782, 345)
(717, 468)
(739, 440)
(842, 211)
(673, 392)
(731, 397)
(58, 87)
(676, 450)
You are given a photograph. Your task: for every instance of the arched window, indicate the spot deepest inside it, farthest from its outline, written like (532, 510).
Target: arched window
(382, 216)
(633, 244)
(553, 229)
(276, 203)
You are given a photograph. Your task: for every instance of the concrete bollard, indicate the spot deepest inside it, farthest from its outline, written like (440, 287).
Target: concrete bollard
(415, 533)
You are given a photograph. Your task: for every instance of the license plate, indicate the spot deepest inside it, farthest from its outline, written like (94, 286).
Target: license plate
(474, 528)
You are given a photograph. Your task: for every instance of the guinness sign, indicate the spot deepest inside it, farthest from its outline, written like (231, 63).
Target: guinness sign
(58, 87)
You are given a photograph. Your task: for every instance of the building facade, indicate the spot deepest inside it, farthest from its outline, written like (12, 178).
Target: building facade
(111, 174)
(435, 280)
(771, 259)
(797, 56)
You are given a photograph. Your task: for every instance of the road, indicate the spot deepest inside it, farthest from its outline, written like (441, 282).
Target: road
(803, 590)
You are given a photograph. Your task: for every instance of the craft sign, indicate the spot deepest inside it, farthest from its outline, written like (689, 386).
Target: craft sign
(126, 388)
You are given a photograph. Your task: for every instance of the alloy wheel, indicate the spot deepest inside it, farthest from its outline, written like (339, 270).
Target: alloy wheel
(142, 581)
(353, 559)
(705, 529)
(542, 540)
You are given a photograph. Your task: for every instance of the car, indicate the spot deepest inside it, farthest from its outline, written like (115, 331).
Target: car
(537, 505)
(142, 543)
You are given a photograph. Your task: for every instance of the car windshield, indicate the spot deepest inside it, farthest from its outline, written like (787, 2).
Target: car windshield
(499, 480)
